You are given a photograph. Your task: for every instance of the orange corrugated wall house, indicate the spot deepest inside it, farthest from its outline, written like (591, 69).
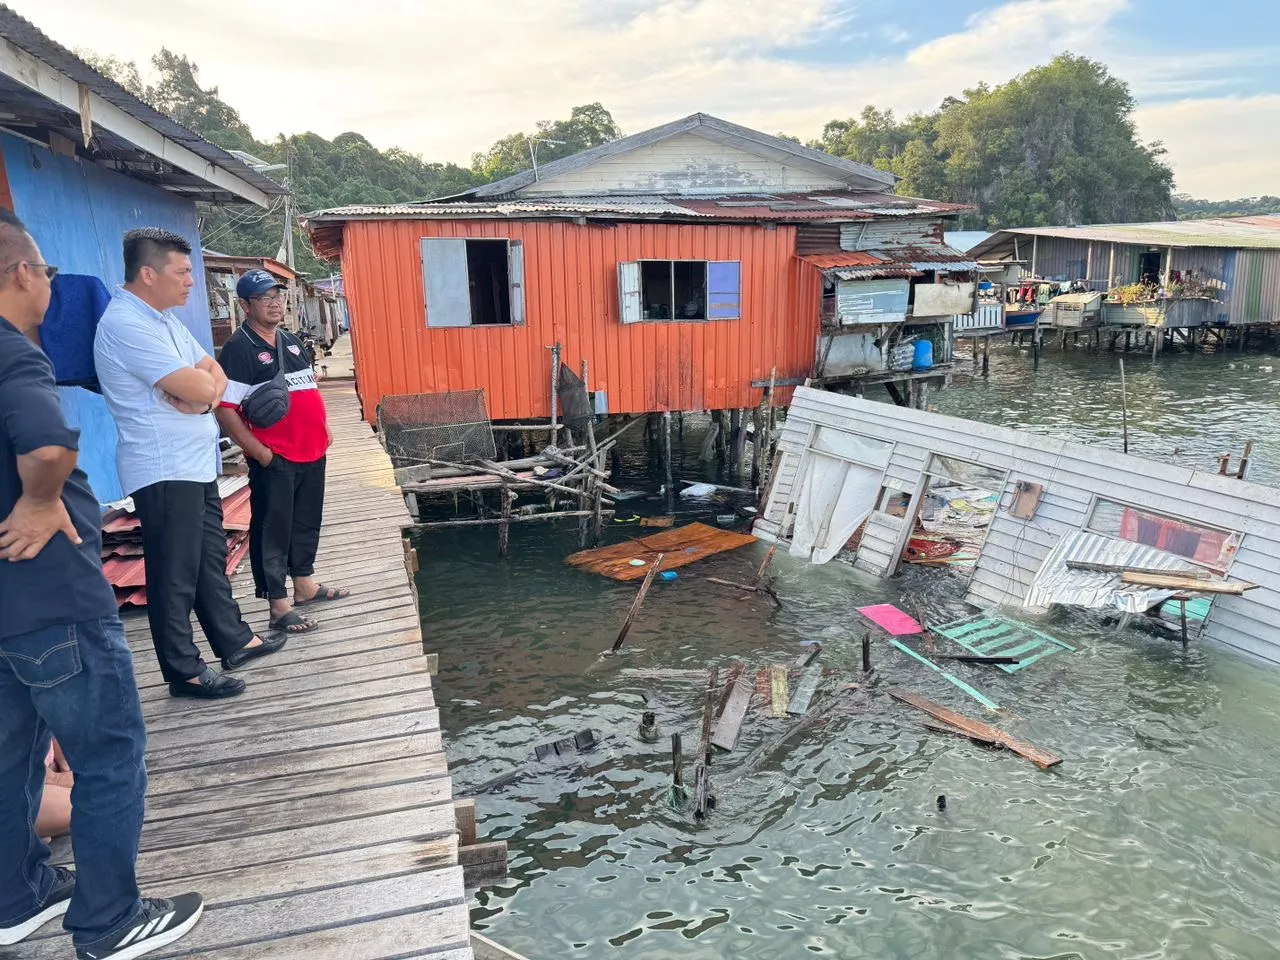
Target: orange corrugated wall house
(571, 298)
(698, 189)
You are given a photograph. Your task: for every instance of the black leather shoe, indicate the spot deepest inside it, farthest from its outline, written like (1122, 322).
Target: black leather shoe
(242, 656)
(212, 686)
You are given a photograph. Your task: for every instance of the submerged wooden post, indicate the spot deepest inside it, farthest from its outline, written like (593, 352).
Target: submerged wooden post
(677, 761)
(764, 566)
(666, 460)
(635, 604)
(1244, 460)
(1124, 406)
(504, 529)
(756, 458)
(866, 653)
(986, 355)
(735, 429)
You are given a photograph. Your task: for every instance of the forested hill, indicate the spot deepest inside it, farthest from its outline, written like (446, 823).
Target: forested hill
(1054, 145)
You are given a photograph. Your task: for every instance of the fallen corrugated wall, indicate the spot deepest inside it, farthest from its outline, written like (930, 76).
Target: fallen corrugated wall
(1075, 477)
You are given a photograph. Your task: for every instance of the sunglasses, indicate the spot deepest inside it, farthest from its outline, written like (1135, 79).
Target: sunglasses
(49, 271)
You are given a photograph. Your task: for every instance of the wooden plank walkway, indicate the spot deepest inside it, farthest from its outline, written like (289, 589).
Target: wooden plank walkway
(315, 812)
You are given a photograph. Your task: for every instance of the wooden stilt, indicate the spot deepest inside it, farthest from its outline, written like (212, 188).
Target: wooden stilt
(666, 460)
(504, 531)
(986, 355)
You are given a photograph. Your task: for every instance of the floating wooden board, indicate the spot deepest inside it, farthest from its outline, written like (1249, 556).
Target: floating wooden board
(662, 522)
(976, 729)
(1173, 581)
(805, 690)
(810, 654)
(778, 687)
(725, 734)
(680, 546)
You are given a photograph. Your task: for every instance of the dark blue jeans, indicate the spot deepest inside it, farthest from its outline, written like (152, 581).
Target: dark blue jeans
(74, 681)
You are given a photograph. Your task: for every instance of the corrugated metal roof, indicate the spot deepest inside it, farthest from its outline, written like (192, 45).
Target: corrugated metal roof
(830, 261)
(1261, 233)
(828, 205)
(928, 257)
(877, 273)
(29, 38)
(1055, 583)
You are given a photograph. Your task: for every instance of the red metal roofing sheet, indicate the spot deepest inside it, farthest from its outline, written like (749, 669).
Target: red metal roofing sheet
(235, 511)
(125, 572)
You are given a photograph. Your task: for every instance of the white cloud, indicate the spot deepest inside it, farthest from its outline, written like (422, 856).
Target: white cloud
(1220, 148)
(446, 78)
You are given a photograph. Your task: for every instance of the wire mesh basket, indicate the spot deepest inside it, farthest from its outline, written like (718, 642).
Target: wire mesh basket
(454, 426)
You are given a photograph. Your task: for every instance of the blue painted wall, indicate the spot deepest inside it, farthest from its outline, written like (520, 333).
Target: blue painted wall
(79, 213)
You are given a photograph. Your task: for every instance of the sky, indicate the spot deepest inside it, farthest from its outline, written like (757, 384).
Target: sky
(445, 79)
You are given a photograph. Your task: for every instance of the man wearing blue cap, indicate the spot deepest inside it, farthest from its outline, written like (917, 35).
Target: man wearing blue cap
(273, 409)
(161, 388)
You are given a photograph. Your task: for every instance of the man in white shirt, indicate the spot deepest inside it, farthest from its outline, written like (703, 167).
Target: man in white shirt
(161, 388)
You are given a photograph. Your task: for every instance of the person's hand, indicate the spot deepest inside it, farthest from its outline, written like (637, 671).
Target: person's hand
(265, 457)
(60, 764)
(30, 527)
(182, 406)
(328, 432)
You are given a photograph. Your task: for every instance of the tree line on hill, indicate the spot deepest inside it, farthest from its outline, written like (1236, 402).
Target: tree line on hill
(1054, 145)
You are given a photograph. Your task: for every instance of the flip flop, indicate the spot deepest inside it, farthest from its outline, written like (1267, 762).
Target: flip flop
(325, 595)
(291, 620)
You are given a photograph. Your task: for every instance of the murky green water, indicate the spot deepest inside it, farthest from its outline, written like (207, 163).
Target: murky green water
(1157, 837)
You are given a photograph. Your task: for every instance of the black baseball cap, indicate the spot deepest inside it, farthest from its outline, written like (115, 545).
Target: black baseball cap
(257, 282)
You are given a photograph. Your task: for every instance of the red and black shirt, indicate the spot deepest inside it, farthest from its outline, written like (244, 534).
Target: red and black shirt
(250, 361)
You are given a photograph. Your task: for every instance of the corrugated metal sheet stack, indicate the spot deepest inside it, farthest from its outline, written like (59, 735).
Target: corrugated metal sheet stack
(122, 554)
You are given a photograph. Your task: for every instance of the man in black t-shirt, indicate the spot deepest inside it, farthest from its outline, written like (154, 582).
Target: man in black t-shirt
(286, 456)
(65, 668)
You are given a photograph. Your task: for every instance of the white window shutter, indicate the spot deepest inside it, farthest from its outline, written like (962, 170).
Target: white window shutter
(447, 284)
(629, 292)
(515, 270)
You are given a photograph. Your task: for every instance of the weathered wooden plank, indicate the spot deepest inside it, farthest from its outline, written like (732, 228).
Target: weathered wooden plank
(725, 735)
(175, 750)
(176, 714)
(464, 812)
(245, 731)
(312, 785)
(1041, 758)
(279, 818)
(1190, 584)
(805, 690)
(778, 689)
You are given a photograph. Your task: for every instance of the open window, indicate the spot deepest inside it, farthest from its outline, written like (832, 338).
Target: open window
(1210, 547)
(680, 290)
(953, 511)
(473, 283)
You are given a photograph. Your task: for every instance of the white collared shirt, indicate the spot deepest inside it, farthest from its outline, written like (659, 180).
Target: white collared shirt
(136, 347)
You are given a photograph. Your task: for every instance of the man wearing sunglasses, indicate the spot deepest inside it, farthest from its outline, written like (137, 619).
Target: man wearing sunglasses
(273, 409)
(65, 667)
(161, 388)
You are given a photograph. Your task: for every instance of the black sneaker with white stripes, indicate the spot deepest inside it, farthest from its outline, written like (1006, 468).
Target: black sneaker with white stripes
(55, 905)
(160, 923)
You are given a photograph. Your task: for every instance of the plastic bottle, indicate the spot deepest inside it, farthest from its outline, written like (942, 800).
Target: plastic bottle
(923, 356)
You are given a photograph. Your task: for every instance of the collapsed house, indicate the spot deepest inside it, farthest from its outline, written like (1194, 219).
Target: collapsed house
(847, 466)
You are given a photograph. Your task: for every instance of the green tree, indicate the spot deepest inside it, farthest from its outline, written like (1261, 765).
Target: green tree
(1054, 145)
(590, 125)
(1189, 208)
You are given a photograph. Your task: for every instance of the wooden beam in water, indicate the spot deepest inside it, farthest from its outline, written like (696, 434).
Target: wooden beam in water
(778, 686)
(726, 731)
(805, 690)
(976, 729)
(635, 604)
(810, 654)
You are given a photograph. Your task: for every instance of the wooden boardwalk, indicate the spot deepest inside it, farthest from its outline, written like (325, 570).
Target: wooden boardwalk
(315, 812)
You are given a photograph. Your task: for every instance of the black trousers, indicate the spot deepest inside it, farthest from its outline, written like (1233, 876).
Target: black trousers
(287, 500)
(185, 552)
